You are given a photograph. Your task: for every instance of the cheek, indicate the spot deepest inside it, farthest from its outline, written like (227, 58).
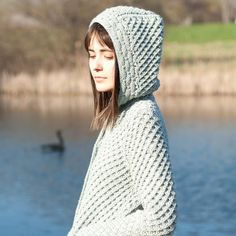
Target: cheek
(90, 64)
(112, 68)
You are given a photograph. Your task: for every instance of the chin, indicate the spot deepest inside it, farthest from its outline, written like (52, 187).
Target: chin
(103, 89)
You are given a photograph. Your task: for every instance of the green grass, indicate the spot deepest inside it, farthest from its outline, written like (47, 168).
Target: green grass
(200, 33)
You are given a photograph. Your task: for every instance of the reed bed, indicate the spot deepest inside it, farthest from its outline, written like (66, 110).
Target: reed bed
(200, 78)
(60, 82)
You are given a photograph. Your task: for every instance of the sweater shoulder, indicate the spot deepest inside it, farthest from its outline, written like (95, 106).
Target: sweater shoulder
(144, 109)
(145, 114)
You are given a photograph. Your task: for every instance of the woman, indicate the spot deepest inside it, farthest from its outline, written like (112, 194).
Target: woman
(128, 189)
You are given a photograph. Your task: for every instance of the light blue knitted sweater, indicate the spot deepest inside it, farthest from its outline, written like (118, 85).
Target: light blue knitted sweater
(128, 189)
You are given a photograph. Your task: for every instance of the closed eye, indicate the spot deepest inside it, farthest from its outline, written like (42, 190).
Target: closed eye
(109, 57)
(91, 56)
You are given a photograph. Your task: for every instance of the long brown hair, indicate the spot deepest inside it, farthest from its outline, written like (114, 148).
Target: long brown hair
(106, 108)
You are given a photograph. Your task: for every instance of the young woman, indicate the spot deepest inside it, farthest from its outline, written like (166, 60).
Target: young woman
(128, 189)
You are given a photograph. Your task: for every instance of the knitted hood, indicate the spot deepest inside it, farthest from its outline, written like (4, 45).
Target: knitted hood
(137, 36)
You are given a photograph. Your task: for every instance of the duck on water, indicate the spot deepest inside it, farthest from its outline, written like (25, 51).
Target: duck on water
(55, 147)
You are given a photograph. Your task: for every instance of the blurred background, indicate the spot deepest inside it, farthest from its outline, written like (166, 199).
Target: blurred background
(45, 98)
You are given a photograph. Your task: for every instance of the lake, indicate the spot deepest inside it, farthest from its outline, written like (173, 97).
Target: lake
(39, 191)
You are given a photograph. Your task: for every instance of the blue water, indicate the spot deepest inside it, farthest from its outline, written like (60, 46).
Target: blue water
(39, 192)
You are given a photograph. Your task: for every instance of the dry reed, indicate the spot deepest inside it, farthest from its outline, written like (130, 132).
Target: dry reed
(200, 78)
(60, 82)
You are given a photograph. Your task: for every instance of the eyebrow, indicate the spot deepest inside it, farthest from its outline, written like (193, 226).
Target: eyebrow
(101, 50)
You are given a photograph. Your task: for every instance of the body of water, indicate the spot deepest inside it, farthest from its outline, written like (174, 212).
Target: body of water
(39, 191)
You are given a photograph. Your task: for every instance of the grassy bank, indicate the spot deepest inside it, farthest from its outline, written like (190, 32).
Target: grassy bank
(200, 33)
(190, 53)
(203, 42)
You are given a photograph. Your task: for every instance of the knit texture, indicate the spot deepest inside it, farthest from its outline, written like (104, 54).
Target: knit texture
(137, 35)
(128, 189)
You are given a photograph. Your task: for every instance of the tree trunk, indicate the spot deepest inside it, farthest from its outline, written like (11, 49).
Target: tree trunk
(225, 11)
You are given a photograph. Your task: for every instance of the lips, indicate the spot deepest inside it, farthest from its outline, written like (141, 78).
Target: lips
(99, 78)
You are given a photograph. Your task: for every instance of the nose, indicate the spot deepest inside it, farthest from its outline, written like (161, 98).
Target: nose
(98, 64)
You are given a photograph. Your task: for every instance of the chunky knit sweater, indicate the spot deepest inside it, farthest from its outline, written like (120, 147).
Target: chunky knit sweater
(128, 189)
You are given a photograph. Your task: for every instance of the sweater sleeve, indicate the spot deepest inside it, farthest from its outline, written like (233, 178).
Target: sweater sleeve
(148, 161)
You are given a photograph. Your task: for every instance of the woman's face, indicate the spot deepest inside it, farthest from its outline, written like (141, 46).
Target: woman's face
(102, 65)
